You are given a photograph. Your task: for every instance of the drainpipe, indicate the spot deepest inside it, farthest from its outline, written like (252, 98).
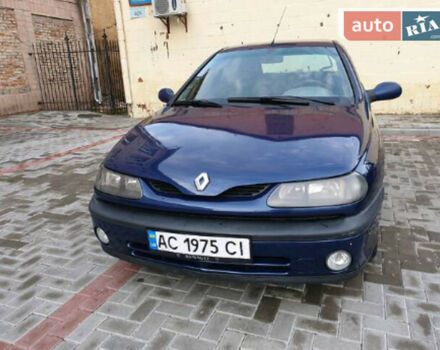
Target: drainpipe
(120, 26)
(91, 47)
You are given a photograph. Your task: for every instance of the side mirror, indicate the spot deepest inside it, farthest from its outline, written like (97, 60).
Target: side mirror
(384, 91)
(165, 95)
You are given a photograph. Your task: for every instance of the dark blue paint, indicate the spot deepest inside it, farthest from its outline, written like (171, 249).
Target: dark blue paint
(305, 258)
(165, 95)
(239, 147)
(385, 91)
(245, 146)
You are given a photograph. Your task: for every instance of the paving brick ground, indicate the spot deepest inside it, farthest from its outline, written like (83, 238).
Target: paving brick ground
(48, 255)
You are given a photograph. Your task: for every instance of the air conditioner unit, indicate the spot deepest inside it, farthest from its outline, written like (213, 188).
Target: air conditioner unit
(166, 8)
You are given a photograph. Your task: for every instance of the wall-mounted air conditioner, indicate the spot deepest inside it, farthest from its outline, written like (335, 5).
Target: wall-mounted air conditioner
(166, 8)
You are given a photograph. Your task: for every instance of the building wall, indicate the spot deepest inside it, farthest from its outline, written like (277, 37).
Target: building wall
(52, 29)
(154, 61)
(22, 23)
(13, 78)
(103, 18)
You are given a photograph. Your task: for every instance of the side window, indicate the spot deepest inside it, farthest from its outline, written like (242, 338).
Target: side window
(301, 63)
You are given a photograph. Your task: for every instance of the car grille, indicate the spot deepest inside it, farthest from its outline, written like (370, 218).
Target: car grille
(258, 265)
(165, 188)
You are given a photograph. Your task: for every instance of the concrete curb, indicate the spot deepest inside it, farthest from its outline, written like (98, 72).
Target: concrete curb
(412, 132)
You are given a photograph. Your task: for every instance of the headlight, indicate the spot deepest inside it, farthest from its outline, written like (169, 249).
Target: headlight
(117, 184)
(319, 193)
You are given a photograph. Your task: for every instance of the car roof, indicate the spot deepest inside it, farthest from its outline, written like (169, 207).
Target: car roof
(279, 44)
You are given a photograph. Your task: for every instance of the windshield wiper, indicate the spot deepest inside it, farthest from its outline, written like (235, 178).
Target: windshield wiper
(317, 100)
(198, 103)
(293, 100)
(269, 100)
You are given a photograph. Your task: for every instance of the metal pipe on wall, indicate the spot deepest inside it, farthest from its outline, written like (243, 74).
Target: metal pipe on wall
(123, 54)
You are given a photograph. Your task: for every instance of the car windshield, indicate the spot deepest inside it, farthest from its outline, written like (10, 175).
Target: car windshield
(311, 73)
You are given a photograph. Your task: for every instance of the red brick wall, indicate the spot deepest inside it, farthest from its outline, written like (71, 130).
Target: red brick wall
(13, 78)
(22, 23)
(52, 29)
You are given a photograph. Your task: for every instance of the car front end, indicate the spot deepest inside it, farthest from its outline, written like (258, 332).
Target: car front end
(270, 189)
(318, 248)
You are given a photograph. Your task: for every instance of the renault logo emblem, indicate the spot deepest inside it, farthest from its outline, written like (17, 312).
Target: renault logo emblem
(201, 181)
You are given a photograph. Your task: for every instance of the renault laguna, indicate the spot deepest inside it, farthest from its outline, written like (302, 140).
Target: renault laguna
(266, 165)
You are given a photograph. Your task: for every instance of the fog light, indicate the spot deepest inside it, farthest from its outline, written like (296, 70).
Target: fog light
(102, 236)
(339, 260)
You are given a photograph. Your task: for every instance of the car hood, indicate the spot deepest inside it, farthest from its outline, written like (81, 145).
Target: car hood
(241, 146)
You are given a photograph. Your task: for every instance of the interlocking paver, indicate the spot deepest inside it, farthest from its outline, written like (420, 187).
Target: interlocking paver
(267, 309)
(48, 253)
(230, 341)
(225, 293)
(93, 340)
(366, 308)
(183, 326)
(322, 342)
(65, 345)
(137, 295)
(115, 310)
(388, 326)
(252, 342)
(330, 308)
(316, 326)
(167, 294)
(143, 310)
(215, 326)
(248, 326)
(15, 332)
(351, 327)
(252, 294)
(395, 308)
(236, 308)
(400, 343)
(183, 342)
(195, 295)
(175, 309)
(161, 340)
(298, 308)
(374, 340)
(205, 309)
(150, 326)
(282, 326)
(118, 326)
(301, 340)
(86, 328)
(115, 342)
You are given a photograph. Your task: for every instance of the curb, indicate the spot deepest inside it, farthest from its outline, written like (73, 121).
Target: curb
(411, 132)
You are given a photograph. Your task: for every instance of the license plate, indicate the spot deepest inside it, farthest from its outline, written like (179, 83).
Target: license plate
(193, 246)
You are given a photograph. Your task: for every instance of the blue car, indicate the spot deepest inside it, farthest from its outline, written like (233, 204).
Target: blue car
(267, 165)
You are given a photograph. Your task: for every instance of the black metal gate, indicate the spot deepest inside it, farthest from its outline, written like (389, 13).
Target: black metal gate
(69, 80)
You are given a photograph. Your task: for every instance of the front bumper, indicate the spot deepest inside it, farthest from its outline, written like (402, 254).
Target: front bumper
(283, 249)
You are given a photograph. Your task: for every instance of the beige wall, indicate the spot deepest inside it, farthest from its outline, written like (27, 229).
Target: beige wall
(153, 61)
(103, 18)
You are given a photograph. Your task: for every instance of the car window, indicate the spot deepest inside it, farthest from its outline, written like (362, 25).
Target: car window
(301, 63)
(303, 71)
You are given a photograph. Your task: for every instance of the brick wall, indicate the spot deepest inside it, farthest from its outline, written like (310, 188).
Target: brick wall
(12, 69)
(22, 23)
(52, 29)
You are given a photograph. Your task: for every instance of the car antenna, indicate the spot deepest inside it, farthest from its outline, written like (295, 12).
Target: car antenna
(278, 25)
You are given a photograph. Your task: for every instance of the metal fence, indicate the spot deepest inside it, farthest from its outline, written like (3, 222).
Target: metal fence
(69, 80)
